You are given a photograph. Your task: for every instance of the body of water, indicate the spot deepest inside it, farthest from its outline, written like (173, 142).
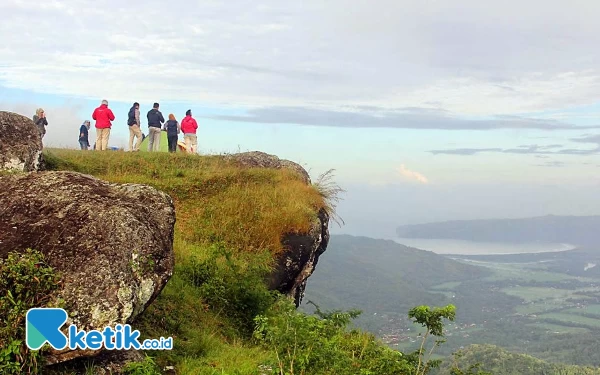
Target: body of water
(447, 246)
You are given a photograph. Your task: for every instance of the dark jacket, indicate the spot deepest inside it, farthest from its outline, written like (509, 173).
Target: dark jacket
(83, 134)
(172, 128)
(155, 118)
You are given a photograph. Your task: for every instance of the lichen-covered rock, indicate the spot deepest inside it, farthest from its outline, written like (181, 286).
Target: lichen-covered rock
(20, 144)
(258, 159)
(299, 258)
(111, 243)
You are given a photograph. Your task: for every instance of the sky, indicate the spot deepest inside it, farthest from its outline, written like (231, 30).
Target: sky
(427, 110)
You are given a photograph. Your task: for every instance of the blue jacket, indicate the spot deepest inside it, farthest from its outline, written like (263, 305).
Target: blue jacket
(172, 128)
(155, 118)
(83, 134)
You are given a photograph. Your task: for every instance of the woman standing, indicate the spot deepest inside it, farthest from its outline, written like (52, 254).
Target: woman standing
(40, 121)
(84, 141)
(173, 129)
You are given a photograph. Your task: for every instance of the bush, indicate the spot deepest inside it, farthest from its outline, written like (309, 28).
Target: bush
(145, 367)
(322, 344)
(233, 286)
(26, 281)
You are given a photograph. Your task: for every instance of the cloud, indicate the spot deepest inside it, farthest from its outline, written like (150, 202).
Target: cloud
(553, 164)
(540, 151)
(467, 58)
(401, 118)
(412, 175)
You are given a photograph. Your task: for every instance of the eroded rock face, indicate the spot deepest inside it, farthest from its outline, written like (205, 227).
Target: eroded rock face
(302, 251)
(112, 243)
(20, 143)
(300, 257)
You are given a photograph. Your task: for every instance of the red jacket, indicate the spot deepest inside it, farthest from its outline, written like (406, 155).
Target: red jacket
(103, 116)
(189, 125)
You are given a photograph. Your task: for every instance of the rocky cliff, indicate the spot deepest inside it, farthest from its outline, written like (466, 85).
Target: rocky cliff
(301, 251)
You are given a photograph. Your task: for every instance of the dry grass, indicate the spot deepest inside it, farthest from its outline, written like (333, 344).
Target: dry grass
(330, 192)
(248, 209)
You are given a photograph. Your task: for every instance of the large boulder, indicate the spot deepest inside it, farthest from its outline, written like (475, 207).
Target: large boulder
(112, 243)
(20, 143)
(301, 251)
(258, 159)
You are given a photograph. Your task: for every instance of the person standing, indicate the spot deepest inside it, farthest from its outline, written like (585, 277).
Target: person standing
(155, 121)
(40, 121)
(134, 127)
(103, 116)
(189, 126)
(173, 129)
(84, 141)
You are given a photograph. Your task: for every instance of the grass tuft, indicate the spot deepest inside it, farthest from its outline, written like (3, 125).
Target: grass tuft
(330, 192)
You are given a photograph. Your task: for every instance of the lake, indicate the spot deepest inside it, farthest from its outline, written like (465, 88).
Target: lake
(448, 246)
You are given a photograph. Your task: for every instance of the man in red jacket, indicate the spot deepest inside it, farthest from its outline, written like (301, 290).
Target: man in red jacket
(189, 127)
(103, 116)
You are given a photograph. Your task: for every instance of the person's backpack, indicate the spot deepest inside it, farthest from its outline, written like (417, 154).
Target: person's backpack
(131, 116)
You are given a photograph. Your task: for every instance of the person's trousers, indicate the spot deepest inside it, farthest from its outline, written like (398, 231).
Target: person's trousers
(154, 140)
(172, 143)
(84, 145)
(135, 131)
(191, 142)
(102, 136)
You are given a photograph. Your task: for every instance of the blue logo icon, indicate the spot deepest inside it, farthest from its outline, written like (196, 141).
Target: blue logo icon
(43, 326)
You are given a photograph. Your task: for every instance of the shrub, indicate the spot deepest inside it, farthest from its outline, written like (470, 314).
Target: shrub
(233, 286)
(322, 344)
(26, 281)
(145, 367)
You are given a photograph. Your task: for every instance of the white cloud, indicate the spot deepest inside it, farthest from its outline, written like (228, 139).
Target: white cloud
(467, 57)
(412, 175)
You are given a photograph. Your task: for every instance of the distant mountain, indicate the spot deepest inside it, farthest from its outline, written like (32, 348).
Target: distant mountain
(379, 276)
(577, 230)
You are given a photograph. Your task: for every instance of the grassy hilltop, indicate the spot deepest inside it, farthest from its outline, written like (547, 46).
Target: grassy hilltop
(222, 211)
(229, 225)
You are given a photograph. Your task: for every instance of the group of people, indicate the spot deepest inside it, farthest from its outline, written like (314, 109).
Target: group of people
(156, 124)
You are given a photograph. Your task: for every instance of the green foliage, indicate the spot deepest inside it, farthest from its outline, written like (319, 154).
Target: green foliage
(26, 281)
(145, 367)
(234, 286)
(322, 344)
(501, 362)
(432, 320)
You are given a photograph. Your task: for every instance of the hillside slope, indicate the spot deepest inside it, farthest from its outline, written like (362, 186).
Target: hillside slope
(498, 361)
(382, 276)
